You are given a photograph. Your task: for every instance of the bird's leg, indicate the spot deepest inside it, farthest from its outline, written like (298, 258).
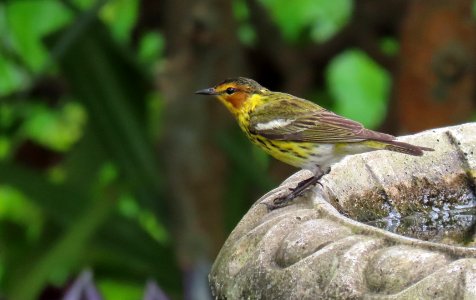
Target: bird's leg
(301, 187)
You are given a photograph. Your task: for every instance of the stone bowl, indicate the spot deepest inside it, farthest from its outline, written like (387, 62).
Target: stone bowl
(345, 239)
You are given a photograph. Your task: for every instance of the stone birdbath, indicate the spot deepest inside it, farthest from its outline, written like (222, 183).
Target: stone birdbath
(382, 226)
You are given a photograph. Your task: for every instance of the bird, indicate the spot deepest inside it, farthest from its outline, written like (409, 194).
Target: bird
(299, 132)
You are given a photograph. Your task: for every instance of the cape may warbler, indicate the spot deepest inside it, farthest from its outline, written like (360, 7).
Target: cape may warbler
(299, 132)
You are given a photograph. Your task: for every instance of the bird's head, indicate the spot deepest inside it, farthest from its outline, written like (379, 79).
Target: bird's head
(235, 92)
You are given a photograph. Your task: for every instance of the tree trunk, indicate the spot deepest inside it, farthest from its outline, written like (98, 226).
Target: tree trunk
(436, 81)
(202, 49)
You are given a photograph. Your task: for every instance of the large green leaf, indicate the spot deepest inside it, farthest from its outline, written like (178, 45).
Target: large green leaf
(321, 18)
(58, 129)
(121, 16)
(28, 22)
(359, 86)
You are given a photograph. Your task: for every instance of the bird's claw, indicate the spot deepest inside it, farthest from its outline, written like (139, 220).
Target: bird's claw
(279, 202)
(292, 189)
(295, 192)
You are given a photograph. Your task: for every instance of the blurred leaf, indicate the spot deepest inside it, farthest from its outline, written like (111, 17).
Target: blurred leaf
(246, 32)
(151, 225)
(49, 198)
(124, 249)
(332, 16)
(389, 46)
(128, 207)
(16, 207)
(84, 162)
(5, 147)
(151, 47)
(56, 174)
(13, 78)
(31, 20)
(56, 129)
(240, 10)
(121, 16)
(124, 290)
(131, 209)
(360, 87)
(321, 18)
(108, 173)
(134, 253)
(56, 264)
(4, 37)
(84, 4)
(113, 90)
(7, 115)
(155, 110)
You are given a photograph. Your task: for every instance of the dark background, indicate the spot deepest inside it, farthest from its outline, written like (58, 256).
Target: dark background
(110, 164)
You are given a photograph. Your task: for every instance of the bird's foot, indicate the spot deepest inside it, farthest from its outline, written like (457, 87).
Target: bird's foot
(301, 187)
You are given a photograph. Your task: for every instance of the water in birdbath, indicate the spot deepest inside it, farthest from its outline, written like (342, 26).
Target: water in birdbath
(449, 224)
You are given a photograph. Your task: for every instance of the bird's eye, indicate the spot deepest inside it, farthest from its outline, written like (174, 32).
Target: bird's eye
(230, 90)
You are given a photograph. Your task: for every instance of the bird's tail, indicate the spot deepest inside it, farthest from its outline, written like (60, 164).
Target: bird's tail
(405, 148)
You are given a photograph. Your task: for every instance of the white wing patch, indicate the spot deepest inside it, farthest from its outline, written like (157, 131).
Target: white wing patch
(273, 124)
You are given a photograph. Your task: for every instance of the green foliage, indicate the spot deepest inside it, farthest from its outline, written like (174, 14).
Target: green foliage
(320, 18)
(124, 290)
(389, 46)
(246, 32)
(129, 208)
(29, 21)
(84, 4)
(104, 196)
(17, 208)
(57, 129)
(120, 15)
(13, 77)
(151, 48)
(360, 87)
(5, 147)
(62, 257)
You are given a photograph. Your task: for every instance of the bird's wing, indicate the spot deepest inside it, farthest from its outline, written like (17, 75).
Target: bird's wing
(303, 121)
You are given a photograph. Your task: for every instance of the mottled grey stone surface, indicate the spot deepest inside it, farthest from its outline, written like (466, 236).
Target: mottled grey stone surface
(319, 247)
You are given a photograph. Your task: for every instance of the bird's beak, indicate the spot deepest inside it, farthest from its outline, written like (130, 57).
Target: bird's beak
(209, 91)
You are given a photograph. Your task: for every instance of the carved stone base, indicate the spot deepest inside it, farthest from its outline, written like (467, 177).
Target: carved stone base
(321, 247)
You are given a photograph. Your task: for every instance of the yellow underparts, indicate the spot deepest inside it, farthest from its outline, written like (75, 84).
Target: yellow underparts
(309, 155)
(292, 153)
